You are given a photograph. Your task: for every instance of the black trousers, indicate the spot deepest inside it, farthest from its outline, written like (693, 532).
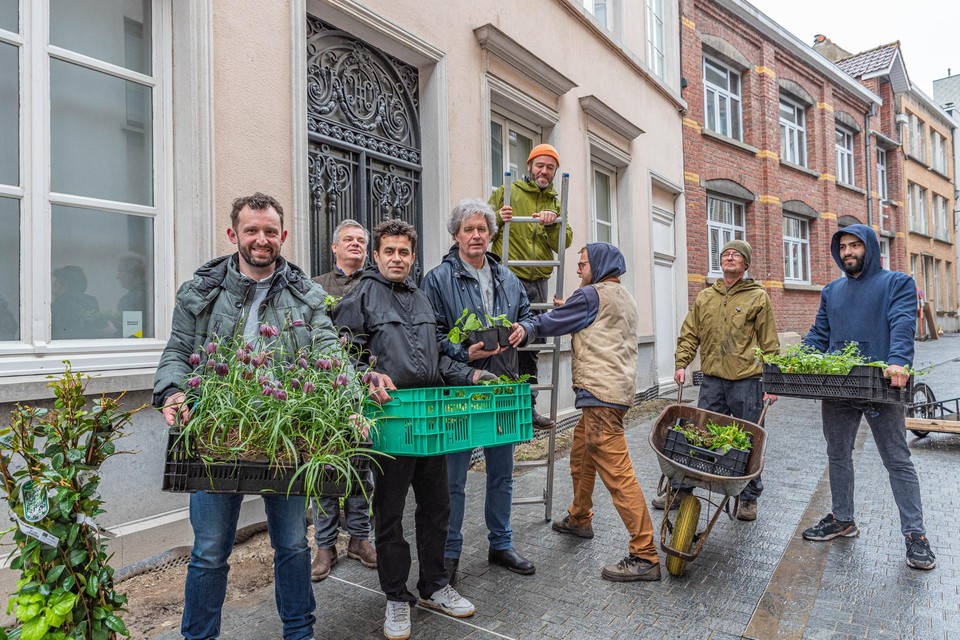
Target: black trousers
(428, 477)
(527, 360)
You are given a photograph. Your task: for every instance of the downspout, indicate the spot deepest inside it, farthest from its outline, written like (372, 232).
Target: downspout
(867, 146)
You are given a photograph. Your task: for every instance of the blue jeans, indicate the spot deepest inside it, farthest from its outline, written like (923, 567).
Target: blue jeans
(214, 521)
(326, 517)
(497, 505)
(841, 421)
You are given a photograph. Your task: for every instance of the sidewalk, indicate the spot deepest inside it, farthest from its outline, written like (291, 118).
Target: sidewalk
(754, 580)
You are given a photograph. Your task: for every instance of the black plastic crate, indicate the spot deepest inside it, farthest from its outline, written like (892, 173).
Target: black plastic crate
(731, 464)
(862, 383)
(187, 474)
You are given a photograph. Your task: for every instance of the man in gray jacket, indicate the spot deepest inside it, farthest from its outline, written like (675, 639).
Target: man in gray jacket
(227, 296)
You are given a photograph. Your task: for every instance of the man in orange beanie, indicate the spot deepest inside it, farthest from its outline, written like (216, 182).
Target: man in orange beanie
(532, 196)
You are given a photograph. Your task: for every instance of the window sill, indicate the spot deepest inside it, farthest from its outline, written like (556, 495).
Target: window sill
(945, 241)
(800, 168)
(917, 159)
(939, 173)
(719, 137)
(31, 388)
(850, 187)
(797, 286)
(922, 234)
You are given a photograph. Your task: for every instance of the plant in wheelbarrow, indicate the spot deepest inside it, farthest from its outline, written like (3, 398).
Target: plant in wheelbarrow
(299, 411)
(50, 468)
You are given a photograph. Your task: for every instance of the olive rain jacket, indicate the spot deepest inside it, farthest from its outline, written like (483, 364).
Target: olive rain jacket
(212, 304)
(529, 241)
(727, 325)
(876, 309)
(394, 322)
(451, 289)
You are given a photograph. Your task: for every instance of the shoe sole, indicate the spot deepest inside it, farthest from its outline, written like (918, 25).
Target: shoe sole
(356, 556)
(559, 528)
(390, 637)
(646, 577)
(922, 567)
(447, 612)
(746, 518)
(844, 534)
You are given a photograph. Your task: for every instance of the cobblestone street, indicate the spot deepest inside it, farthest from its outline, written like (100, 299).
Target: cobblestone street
(753, 580)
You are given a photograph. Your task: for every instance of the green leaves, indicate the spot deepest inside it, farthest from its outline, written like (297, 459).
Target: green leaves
(799, 358)
(714, 437)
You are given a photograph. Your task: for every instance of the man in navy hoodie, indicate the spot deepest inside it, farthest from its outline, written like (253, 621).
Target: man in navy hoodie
(876, 309)
(602, 316)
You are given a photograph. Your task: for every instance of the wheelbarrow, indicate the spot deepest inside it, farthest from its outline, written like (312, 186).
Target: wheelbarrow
(926, 414)
(685, 541)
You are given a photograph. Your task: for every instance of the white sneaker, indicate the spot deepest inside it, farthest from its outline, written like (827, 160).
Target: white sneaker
(448, 601)
(397, 623)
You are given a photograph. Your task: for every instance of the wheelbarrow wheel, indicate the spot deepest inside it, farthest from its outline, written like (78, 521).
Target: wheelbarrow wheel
(922, 394)
(688, 516)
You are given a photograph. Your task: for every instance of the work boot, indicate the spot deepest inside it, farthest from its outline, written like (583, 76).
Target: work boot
(542, 422)
(361, 549)
(678, 495)
(565, 526)
(632, 569)
(747, 510)
(322, 563)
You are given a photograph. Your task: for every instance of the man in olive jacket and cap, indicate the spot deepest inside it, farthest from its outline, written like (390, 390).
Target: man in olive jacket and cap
(727, 322)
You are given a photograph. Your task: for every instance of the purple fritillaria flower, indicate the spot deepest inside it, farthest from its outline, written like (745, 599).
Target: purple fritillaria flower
(222, 369)
(280, 395)
(341, 381)
(295, 383)
(194, 359)
(194, 382)
(298, 323)
(304, 364)
(265, 331)
(211, 348)
(211, 364)
(308, 387)
(323, 364)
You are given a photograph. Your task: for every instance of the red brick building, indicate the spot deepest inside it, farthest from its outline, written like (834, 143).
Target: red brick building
(778, 149)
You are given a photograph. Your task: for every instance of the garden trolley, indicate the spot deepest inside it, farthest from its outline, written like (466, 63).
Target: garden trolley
(683, 533)
(926, 414)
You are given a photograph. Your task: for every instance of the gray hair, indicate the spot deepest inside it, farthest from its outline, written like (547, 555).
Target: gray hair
(469, 208)
(349, 222)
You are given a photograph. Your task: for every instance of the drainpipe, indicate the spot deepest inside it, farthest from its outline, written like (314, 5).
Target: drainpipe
(868, 152)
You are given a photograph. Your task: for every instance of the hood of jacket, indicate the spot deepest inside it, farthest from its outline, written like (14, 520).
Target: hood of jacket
(372, 272)
(605, 261)
(871, 256)
(530, 186)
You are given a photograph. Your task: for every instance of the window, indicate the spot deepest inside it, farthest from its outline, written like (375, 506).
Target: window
(941, 227)
(603, 216)
(917, 208)
(722, 99)
(602, 10)
(94, 90)
(724, 223)
(796, 250)
(844, 156)
(916, 139)
(655, 49)
(510, 145)
(885, 253)
(882, 174)
(938, 152)
(793, 133)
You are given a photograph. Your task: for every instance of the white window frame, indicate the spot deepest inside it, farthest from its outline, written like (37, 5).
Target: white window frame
(510, 122)
(882, 186)
(917, 208)
(723, 95)
(656, 58)
(35, 353)
(595, 222)
(727, 229)
(885, 253)
(796, 251)
(938, 156)
(793, 132)
(941, 228)
(917, 139)
(846, 167)
(607, 19)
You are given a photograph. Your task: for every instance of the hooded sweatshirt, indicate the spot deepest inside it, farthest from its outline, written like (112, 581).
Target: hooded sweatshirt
(580, 311)
(876, 309)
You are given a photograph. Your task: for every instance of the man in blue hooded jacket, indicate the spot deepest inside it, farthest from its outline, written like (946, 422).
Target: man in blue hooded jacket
(602, 316)
(875, 309)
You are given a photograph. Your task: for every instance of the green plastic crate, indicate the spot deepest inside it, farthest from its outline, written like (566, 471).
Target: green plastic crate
(433, 421)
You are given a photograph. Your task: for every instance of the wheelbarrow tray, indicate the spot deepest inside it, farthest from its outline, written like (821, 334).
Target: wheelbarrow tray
(726, 485)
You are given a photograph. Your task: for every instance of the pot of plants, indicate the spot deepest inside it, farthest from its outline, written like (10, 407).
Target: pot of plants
(488, 337)
(503, 336)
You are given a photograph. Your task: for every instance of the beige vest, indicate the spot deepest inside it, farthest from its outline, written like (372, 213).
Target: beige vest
(605, 353)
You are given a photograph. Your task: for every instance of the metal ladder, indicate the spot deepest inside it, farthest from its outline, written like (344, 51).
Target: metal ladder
(554, 346)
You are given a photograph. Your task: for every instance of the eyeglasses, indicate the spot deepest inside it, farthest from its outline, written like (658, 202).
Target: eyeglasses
(581, 265)
(731, 254)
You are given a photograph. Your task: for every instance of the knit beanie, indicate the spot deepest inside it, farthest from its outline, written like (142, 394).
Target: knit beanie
(740, 246)
(543, 150)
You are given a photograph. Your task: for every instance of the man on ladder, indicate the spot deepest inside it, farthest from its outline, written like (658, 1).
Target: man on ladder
(533, 197)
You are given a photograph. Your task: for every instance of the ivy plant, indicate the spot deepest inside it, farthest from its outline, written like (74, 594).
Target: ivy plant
(50, 469)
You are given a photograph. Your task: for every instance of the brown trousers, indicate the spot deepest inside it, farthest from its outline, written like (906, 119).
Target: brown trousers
(599, 446)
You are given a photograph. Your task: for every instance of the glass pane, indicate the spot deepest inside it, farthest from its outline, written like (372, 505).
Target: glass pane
(711, 108)
(115, 31)
(787, 112)
(604, 233)
(715, 244)
(735, 119)
(723, 118)
(100, 135)
(9, 19)
(520, 148)
(601, 187)
(735, 84)
(496, 154)
(716, 76)
(10, 269)
(102, 275)
(9, 116)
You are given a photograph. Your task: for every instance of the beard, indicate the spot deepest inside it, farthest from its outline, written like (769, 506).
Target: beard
(247, 255)
(854, 268)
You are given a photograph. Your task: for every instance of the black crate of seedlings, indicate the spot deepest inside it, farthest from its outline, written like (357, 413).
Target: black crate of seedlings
(183, 473)
(862, 383)
(731, 464)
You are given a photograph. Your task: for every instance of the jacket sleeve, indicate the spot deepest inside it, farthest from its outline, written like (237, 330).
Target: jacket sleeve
(819, 335)
(766, 327)
(174, 365)
(431, 288)
(689, 340)
(348, 316)
(553, 235)
(576, 314)
(455, 373)
(901, 318)
(496, 202)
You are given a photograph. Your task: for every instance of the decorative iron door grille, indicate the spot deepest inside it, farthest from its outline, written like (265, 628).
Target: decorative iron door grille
(364, 138)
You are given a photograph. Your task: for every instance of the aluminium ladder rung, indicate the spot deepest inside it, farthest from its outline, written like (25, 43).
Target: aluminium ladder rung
(529, 500)
(534, 263)
(542, 387)
(539, 347)
(529, 464)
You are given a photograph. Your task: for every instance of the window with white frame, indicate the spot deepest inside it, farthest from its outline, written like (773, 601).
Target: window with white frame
(602, 10)
(604, 213)
(917, 208)
(725, 222)
(844, 146)
(917, 139)
(655, 46)
(510, 145)
(885, 253)
(796, 249)
(793, 132)
(78, 260)
(941, 227)
(938, 152)
(722, 100)
(882, 173)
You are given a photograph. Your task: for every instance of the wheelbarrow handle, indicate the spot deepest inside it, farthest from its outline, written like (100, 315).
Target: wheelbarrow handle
(763, 414)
